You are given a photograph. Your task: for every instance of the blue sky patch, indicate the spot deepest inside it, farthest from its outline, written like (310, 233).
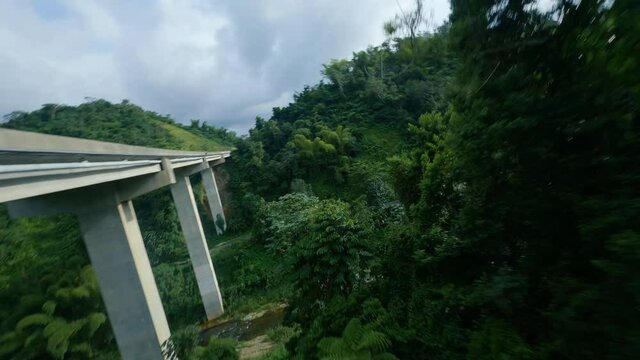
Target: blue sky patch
(50, 9)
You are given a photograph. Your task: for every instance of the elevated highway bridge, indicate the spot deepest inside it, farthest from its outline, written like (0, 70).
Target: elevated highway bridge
(44, 175)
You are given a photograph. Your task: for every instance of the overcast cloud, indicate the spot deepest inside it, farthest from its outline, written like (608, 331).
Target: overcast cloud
(223, 62)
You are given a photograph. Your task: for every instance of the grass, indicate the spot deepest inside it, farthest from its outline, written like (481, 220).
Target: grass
(229, 239)
(278, 352)
(191, 141)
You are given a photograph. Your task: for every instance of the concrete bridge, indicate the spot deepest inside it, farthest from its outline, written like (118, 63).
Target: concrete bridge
(45, 175)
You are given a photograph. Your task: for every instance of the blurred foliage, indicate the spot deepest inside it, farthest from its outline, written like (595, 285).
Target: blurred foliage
(500, 188)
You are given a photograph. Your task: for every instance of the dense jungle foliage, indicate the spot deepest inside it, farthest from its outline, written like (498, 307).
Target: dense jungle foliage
(477, 189)
(466, 193)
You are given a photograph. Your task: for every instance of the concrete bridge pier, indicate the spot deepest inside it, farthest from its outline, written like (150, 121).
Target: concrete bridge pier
(119, 258)
(213, 198)
(185, 203)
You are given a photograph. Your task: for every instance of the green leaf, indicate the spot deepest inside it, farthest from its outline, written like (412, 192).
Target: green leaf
(10, 342)
(33, 319)
(49, 307)
(94, 321)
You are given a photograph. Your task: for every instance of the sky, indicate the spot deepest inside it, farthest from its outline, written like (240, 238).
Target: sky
(221, 61)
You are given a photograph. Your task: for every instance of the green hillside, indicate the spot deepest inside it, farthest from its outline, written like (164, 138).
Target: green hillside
(122, 123)
(191, 141)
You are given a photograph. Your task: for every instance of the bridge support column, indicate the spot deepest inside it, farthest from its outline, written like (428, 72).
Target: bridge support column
(197, 246)
(114, 243)
(213, 198)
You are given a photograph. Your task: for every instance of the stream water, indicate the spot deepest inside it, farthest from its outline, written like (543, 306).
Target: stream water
(247, 328)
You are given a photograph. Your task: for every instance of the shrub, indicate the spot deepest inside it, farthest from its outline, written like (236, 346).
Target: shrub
(218, 349)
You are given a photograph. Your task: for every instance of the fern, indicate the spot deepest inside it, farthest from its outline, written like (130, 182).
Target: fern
(353, 333)
(88, 276)
(333, 348)
(81, 292)
(31, 300)
(33, 338)
(33, 319)
(82, 348)
(57, 334)
(54, 326)
(282, 334)
(374, 341)
(49, 307)
(60, 335)
(357, 342)
(94, 321)
(384, 356)
(10, 342)
(64, 294)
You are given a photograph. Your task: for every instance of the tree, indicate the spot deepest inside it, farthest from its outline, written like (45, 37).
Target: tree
(409, 22)
(357, 342)
(337, 71)
(516, 193)
(330, 260)
(322, 244)
(339, 138)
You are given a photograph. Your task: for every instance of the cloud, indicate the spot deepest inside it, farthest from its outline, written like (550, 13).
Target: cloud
(223, 62)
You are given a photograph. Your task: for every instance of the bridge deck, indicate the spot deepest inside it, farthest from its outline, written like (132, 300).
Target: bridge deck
(33, 164)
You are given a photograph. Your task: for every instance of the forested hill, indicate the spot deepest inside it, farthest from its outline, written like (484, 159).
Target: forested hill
(339, 133)
(122, 123)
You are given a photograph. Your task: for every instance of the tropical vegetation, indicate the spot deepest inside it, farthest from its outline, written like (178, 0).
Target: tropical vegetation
(465, 192)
